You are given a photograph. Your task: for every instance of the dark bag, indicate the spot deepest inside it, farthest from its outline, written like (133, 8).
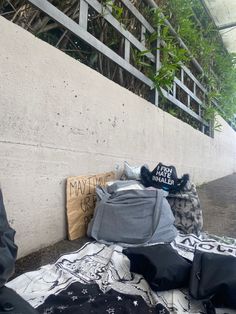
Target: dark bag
(163, 177)
(8, 250)
(213, 276)
(160, 265)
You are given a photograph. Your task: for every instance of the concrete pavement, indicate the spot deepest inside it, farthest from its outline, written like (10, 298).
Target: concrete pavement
(218, 202)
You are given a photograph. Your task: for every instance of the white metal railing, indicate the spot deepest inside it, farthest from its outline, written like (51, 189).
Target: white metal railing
(80, 30)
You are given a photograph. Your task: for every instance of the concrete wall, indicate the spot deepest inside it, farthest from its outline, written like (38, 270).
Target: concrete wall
(59, 118)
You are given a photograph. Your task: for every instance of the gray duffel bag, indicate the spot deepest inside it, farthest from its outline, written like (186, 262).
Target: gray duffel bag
(132, 217)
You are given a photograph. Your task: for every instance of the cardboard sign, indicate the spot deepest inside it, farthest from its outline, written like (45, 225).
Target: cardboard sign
(81, 201)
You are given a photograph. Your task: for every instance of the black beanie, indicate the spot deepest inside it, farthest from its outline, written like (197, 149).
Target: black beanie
(163, 177)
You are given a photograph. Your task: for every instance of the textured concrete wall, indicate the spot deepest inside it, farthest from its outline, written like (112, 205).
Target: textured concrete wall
(59, 118)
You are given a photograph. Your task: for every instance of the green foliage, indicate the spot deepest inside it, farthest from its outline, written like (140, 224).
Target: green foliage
(197, 30)
(188, 18)
(203, 40)
(116, 10)
(172, 55)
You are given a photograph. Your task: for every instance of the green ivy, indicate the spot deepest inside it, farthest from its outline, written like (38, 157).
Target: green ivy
(116, 10)
(200, 35)
(204, 42)
(172, 54)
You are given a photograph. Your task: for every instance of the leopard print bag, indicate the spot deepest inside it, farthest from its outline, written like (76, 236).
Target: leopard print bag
(186, 209)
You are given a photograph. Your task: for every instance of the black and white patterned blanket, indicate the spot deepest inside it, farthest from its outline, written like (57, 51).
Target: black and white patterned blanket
(97, 279)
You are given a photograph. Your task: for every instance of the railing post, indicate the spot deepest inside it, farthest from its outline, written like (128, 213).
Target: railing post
(174, 89)
(83, 14)
(123, 62)
(158, 62)
(143, 33)
(127, 50)
(182, 75)
(189, 101)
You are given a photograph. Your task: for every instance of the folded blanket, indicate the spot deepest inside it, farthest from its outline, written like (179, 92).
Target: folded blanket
(94, 279)
(186, 244)
(97, 279)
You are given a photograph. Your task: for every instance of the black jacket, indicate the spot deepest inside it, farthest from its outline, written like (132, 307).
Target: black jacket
(8, 250)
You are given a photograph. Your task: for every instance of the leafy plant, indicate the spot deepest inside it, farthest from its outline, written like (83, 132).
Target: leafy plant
(172, 55)
(203, 40)
(187, 17)
(116, 10)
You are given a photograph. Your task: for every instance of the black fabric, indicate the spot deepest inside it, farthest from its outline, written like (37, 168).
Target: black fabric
(12, 303)
(214, 276)
(209, 307)
(160, 265)
(85, 299)
(163, 177)
(8, 250)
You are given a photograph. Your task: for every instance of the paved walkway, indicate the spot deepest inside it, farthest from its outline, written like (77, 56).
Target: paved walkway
(218, 201)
